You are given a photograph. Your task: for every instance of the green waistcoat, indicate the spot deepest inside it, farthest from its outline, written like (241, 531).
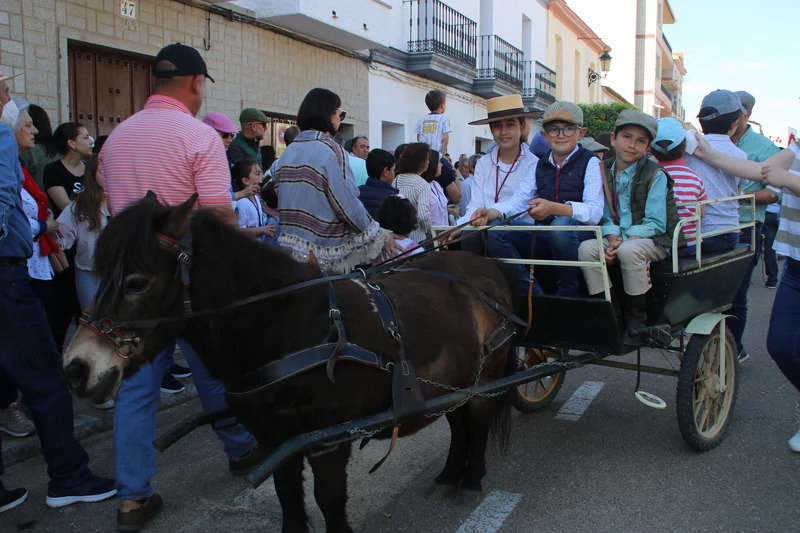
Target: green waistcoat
(646, 170)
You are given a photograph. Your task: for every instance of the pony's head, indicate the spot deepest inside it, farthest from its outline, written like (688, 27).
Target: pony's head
(138, 260)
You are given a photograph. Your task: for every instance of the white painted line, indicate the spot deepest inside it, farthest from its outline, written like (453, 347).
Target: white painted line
(491, 513)
(579, 401)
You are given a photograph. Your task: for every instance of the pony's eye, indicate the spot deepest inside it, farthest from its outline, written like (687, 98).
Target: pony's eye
(136, 284)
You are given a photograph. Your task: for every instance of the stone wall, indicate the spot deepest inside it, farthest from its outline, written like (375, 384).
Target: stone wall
(253, 67)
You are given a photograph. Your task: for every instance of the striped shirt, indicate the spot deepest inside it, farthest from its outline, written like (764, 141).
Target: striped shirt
(787, 240)
(163, 148)
(418, 192)
(688, 187)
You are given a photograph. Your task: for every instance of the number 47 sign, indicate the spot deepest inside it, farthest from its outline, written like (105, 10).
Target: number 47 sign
(127, 9)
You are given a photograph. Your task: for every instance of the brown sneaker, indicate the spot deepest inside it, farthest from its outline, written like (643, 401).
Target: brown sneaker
(132, 514)
(241, 466)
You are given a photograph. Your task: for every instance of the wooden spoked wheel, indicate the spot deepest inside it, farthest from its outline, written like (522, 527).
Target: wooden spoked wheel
(535, 395)
(705, 400)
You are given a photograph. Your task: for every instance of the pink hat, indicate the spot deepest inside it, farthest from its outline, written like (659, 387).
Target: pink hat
(220, 122)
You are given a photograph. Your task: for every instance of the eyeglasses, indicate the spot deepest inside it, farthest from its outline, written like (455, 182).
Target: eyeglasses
(228, 135)
(554, 131)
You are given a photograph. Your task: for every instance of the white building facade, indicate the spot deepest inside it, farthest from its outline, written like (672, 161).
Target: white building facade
(472, 50)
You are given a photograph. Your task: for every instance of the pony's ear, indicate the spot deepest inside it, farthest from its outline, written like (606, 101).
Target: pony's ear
(178, 219)
(151, 198)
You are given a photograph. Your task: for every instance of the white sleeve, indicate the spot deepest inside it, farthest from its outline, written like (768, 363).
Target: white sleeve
(446, 128)
(590, 211)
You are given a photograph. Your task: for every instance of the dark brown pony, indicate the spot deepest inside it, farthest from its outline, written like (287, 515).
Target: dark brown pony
(443, 323)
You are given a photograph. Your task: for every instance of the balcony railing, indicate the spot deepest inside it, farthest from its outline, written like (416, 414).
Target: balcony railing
(500, 60)
(436, 27)
(667, 93)
(538, 81)
(669, 46)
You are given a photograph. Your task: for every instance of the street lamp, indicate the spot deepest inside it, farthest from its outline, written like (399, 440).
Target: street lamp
(605, 66)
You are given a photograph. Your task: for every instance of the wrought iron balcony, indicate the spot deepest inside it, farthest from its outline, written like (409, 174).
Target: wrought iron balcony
(666, 92)
(500, 60)
(436, 27)
(538, 84)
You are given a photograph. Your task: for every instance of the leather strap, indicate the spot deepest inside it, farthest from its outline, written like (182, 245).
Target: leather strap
(298, 363)
(482, 295)
(607, 191)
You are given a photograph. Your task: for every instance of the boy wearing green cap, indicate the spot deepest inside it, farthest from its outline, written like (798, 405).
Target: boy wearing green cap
(638, 221)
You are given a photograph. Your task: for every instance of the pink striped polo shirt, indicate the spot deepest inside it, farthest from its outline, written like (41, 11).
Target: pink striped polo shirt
(688, 187)
(163, 148)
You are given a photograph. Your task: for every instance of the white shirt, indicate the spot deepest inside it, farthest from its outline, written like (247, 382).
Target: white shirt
(466, 194)
(418, 192)
(431, 128)
(488, 189)
(74, 231)
(39, 266)
(588, 212)
(718, 184)
(250, 213)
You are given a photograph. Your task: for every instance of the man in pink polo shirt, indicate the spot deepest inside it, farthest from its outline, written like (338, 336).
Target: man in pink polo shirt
(163, 148)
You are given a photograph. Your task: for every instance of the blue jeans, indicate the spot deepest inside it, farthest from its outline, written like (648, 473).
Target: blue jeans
(720, 243)
(739, 304)
(770, 229)
(560, 245)
(29, 357)
(783, 338)
(86, 284)
(135, 421)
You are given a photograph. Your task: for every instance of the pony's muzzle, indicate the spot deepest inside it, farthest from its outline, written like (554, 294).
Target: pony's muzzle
(76, 375)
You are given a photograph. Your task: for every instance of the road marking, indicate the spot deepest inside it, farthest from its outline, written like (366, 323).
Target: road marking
(491, 513)
(579, 401)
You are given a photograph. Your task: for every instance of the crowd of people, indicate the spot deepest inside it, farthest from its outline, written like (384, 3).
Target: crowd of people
(344, 205)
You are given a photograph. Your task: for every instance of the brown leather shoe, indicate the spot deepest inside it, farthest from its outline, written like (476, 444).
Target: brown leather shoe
(132, 514)
(241, 466)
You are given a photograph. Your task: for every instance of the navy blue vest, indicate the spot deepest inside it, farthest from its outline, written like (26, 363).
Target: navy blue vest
(566, 185)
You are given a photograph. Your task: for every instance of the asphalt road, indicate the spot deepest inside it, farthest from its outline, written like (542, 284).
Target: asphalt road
(620, 466)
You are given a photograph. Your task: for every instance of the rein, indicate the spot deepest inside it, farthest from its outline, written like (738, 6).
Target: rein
(182, 249)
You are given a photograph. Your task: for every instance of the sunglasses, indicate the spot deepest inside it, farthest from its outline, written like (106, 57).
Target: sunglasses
(342, 115)
(228, 135)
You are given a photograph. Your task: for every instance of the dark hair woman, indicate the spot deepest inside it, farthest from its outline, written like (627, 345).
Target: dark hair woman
(62, 179)
(413, 162)
(44, 151)
(317, 195)
(438, 205)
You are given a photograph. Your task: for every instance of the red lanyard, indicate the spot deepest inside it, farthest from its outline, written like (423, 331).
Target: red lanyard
(497, 185)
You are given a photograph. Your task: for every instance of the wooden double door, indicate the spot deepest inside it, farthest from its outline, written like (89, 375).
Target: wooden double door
(106, 87)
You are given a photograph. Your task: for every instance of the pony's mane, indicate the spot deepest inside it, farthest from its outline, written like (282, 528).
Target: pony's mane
(127, 244)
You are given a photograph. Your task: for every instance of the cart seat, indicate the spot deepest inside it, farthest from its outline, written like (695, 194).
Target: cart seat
(686, 264)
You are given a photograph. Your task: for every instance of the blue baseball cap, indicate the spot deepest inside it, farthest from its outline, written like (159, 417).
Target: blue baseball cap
(669, 129)
(722, 102)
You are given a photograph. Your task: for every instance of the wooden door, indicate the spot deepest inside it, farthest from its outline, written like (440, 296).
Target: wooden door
(106, 87)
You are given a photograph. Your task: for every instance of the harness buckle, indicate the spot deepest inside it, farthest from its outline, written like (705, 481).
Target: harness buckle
(183, 258)
(334, 314)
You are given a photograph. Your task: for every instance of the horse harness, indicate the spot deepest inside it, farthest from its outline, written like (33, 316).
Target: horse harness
(408, 400)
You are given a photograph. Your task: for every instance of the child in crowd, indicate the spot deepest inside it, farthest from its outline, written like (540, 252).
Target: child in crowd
(414, 161)
(434, 128)
(396, 214)
(80, 224)
(249, 211)
(438, 200)
(668, 148)
(380, 169)
(638, 221)
(720, 113)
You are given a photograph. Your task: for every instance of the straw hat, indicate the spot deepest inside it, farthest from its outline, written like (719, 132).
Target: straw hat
(3, 77)
(504, 107)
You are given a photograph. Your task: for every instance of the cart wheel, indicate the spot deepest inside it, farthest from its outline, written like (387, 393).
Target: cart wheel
(536, 395)
(703, 411)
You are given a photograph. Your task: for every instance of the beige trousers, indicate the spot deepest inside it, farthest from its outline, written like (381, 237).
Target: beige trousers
(634, 257)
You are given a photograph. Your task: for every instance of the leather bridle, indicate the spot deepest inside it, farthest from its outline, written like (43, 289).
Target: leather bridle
(125, 338)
